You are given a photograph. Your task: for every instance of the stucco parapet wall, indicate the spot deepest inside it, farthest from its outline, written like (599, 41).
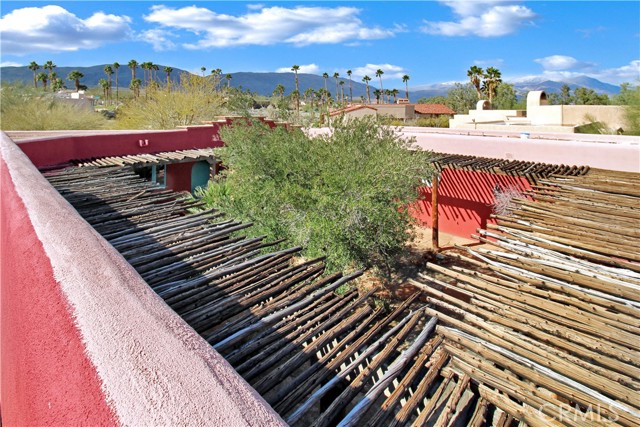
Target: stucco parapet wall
(153, 368)
(613, 152)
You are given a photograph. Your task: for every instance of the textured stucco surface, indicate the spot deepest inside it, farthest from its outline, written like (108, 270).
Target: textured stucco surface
(152, 367)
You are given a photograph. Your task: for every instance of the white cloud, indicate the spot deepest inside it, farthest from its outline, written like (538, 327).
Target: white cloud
(629, 73)
(562, 63)
(390, 71)
(10, 64)
(481, 18)
(268, 25)
(54, 29)
(159, 39)
(304, 69)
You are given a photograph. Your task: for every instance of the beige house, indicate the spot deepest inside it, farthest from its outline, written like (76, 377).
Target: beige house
(400, 111)
(540, 116)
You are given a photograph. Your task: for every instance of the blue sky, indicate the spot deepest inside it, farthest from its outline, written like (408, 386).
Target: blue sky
(431, 41)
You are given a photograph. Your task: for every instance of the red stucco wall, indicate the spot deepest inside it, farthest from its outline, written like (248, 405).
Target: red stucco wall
(179, 176)
(84, 340)
(47, 378)
(465, 200)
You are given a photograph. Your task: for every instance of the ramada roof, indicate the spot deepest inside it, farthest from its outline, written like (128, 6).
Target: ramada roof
(433, 109)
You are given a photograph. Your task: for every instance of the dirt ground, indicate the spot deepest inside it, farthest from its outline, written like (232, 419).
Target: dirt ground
(413, 261)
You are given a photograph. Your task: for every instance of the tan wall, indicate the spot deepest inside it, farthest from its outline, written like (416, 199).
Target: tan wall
(611, 115)
(545, 115)
(398, 111)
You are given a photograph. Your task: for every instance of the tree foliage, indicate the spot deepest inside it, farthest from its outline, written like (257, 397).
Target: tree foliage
(630, 98)
(192, 100)
(24, 108)
(505, 98)
(343, 195)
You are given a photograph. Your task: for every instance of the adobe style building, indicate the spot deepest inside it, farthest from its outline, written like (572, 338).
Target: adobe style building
(540, 117)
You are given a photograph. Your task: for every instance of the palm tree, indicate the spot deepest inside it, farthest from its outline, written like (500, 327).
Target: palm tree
(203, 69)
(342, 91)
(476, 74)
(395, 93)
(325, 76)
(366, 80)
(43, 77)
(405, 80)
(108, 71)
(133, 64)
(349, 72)
(379, 74)
(57, 84)
(335, 76)
(75, 76)
(49, 65)
(279, 91)
(493, 77)
(168, 70)
(135, 86)
(115, 67)
(145, 67)
(104, 84)
(228, 77)
(34, 67)
(295, 69)
(377, 93)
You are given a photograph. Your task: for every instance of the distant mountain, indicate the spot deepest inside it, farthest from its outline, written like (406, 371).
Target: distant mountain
(265, 83)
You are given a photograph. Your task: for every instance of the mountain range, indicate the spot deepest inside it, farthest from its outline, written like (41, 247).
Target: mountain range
(265, 83)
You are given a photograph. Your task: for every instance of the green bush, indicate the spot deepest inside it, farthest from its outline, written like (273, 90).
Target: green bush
(441, 121)
(24, 108)
(343, 195)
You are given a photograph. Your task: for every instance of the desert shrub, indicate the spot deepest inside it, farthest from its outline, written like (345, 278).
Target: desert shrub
(342, 195)
(24, 108)
(504, 199)
(441, 121)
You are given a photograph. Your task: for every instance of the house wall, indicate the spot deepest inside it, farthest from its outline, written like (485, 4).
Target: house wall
(394, 110)
(611, 115)
(83, 339)
(465, 200)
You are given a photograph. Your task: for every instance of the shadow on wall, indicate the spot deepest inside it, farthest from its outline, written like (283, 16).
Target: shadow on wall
(465, 199)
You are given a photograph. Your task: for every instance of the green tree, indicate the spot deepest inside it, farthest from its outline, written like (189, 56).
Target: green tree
(492, 78)
(434, 100)
(462, 98)
(295, 69)
(108, 70)
(506, 98)
(366, 80)
(349, 72)
(115, 68)
(49, 66)
(279, 91)
(75, 76)
(586, 96)
(405, 80)
(228, 77)
(44, 78)
(33, 66)
(565, 94)
(133, 65)
(203, 69)
(336, 76)
(379, 74)
(135, 86)
(192, 100)
(104, 84)
(476, 75)
(168, 71)
(344, 195)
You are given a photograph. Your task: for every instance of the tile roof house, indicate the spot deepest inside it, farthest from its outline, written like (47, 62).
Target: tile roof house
(433, 110)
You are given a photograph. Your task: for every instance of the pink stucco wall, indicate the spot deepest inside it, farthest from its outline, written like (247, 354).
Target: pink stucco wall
(84, 340)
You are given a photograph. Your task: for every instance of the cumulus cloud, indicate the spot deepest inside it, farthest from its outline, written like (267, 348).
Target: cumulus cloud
(562, 63)
(629, 73)
(268, 25)
(390, 71)
(10, 64)
(304, 69)
(54, 29)
(498, 62)
(481, 18)
(159, 39)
